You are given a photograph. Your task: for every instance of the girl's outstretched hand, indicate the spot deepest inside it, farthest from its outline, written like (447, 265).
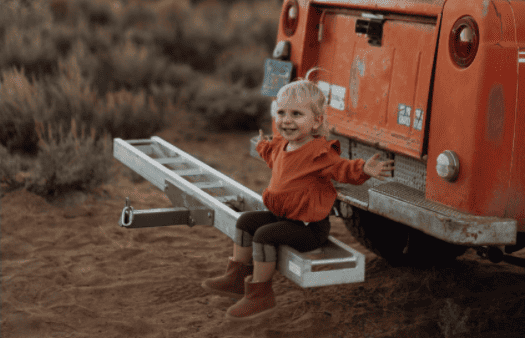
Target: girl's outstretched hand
(262, 137)
(378, 169)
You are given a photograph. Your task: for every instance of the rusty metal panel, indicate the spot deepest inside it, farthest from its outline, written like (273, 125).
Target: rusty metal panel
(378, 94)
(409, 206)
(410, 172)
(421, 7)
(474, 113)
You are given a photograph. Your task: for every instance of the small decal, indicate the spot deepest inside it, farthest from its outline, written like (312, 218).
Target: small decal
(403, 115)
(521, 56)
(418, 119)
(325, 88)
(294, 268)
(338, 97)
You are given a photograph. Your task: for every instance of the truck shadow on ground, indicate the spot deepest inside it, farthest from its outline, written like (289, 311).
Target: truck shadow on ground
(468, 298)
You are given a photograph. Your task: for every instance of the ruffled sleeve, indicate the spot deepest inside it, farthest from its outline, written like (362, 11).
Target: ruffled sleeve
(340, 169)
(265, 149)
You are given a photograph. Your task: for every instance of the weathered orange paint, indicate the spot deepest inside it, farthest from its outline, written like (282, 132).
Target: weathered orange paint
(516, 194)
(473, 112)
(478, 111)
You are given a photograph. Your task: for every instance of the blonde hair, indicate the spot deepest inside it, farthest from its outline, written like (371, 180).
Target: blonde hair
(304, 89)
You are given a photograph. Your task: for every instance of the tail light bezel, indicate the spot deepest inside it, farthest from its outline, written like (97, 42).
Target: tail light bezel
(457, 51)
(290, 24)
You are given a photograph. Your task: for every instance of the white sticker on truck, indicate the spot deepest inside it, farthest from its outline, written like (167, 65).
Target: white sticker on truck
(338, 97)
(418, 119)
(325, 88)
(403, 115)
(521, 56)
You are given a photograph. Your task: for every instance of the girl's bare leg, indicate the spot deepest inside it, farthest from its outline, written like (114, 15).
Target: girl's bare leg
(263, 271)
(242, 254)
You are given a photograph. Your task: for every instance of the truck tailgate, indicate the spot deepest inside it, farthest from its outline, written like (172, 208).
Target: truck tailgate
(378, 90)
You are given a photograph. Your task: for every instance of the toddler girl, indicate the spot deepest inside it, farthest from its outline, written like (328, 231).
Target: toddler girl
(299, 198)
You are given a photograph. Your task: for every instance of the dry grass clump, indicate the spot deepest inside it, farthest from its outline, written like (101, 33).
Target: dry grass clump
(115, 65)
(76, 160)
(230, 107)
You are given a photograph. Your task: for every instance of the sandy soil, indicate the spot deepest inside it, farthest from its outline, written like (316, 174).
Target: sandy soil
(69, 270)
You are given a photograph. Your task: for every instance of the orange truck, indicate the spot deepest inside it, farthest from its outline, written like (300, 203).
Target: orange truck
(439, 87)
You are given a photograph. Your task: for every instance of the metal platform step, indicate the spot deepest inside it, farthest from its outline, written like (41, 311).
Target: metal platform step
(217, 200)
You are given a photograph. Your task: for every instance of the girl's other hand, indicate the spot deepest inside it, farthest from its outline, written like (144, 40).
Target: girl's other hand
(262, 137)
(378, 169)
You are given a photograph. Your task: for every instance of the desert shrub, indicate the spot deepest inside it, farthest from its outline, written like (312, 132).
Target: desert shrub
(69, 95)
(135, 66)
(28, 49)
(179, 84)
(230, 107)
(243, 64)
(21, 100)
(127, 115)
(69, 161)
(65, 162)
(24, 14)
(96, 12)
(137, 15)
(255, 23)
(12, 167)
(205, 36)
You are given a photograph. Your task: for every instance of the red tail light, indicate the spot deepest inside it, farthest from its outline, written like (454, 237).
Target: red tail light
(464, 41)
(291, 17)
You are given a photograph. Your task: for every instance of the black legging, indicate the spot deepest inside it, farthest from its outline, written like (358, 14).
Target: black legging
(266, 232)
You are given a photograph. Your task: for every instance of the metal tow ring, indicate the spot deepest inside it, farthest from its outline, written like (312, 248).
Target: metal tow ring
(127, 211)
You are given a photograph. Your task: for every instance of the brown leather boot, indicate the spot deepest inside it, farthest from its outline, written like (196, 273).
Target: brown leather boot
(231, 284)
(258, 301)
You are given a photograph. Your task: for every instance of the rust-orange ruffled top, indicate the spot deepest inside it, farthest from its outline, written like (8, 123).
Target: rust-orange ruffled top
(300, 187)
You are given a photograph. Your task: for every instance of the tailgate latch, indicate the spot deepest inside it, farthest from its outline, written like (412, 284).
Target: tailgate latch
(373, 28)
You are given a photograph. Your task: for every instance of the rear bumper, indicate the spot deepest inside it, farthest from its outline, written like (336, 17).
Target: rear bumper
(408, 205)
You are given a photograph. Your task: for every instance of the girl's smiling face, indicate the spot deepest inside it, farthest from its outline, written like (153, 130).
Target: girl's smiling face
(295, 120)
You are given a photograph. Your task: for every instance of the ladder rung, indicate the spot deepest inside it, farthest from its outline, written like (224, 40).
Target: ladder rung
(225, 199)
(169, 160)
(188, 172)
(208, 185)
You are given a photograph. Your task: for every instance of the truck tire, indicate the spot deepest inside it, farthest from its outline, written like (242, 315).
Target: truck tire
(398, 244)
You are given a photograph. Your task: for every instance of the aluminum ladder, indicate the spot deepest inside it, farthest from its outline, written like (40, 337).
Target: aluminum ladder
(204, 196)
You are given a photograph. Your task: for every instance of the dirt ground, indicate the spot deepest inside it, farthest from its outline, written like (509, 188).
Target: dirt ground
(69, 270)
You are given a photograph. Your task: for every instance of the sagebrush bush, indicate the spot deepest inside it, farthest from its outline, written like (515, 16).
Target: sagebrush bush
(129, 116)
(135, 66)
(21, 100)
(66, 161)
(243, 64)
(119, 67)
(230, 107)
(70, 161)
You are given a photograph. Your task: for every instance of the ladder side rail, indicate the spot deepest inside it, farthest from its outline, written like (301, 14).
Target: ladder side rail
(251, 198)
(139, 162)
(225, 218)
(157, 174)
